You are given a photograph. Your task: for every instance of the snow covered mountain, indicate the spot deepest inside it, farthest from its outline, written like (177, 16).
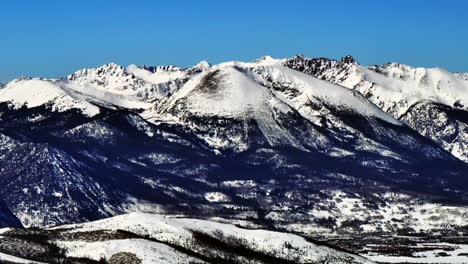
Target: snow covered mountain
(111, 86)
(434, 102)
(259, 144)
(132, 87)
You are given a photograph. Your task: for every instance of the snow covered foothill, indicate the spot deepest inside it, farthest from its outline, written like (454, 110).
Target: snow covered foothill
(5, 258)
(453, 254)
(180, 232)
(148, 252)
(216, 197)
(398, 211)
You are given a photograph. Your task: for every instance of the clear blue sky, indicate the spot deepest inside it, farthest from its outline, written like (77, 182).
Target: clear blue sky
(54, 38)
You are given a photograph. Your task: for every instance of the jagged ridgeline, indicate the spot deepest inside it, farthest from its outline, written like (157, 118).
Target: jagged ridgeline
(314, 146)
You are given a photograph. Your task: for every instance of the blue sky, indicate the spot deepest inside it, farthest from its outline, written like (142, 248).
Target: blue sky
(54, 38)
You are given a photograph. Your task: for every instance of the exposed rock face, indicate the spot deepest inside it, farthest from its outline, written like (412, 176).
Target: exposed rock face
(445, 125)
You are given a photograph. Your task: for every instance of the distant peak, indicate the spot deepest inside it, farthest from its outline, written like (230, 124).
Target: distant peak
(23, 78)
(391, 64)
(267, 60)
(19, 79)
(203, 65)
(349, 59)
(154, 69)
(107, 65)
(264, 58)
(104, 68)
(108, 68)
(300, 56)
(397, 65)
(111, 65)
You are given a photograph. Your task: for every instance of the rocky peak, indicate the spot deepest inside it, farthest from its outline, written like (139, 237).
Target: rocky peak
(166, 68)
(462, 75)
(109, 69)
(311, 66)
(21, 78)
(349, 59)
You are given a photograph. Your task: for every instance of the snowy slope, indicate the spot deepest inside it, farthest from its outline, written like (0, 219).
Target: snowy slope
(111, 86)
(304, 89)
(179, 232)
(393, 87)
(399, 87)
(235, 95)
(147, 251)
(36, 92)
(267, 94)
(163, 74)
(12, 259)
(399, 90)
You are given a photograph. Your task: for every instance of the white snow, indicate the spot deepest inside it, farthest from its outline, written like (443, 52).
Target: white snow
(311, 88)
(112, 85)
(179, 231)
(399, 86)
(35, 92)
(147, 251)
(158, 76)
(400, 210)
(235, 95)
(6, 257)
(239, 183)
(216, 197)
(428, 256)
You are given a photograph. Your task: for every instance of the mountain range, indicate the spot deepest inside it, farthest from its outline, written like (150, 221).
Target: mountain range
(306, 145)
